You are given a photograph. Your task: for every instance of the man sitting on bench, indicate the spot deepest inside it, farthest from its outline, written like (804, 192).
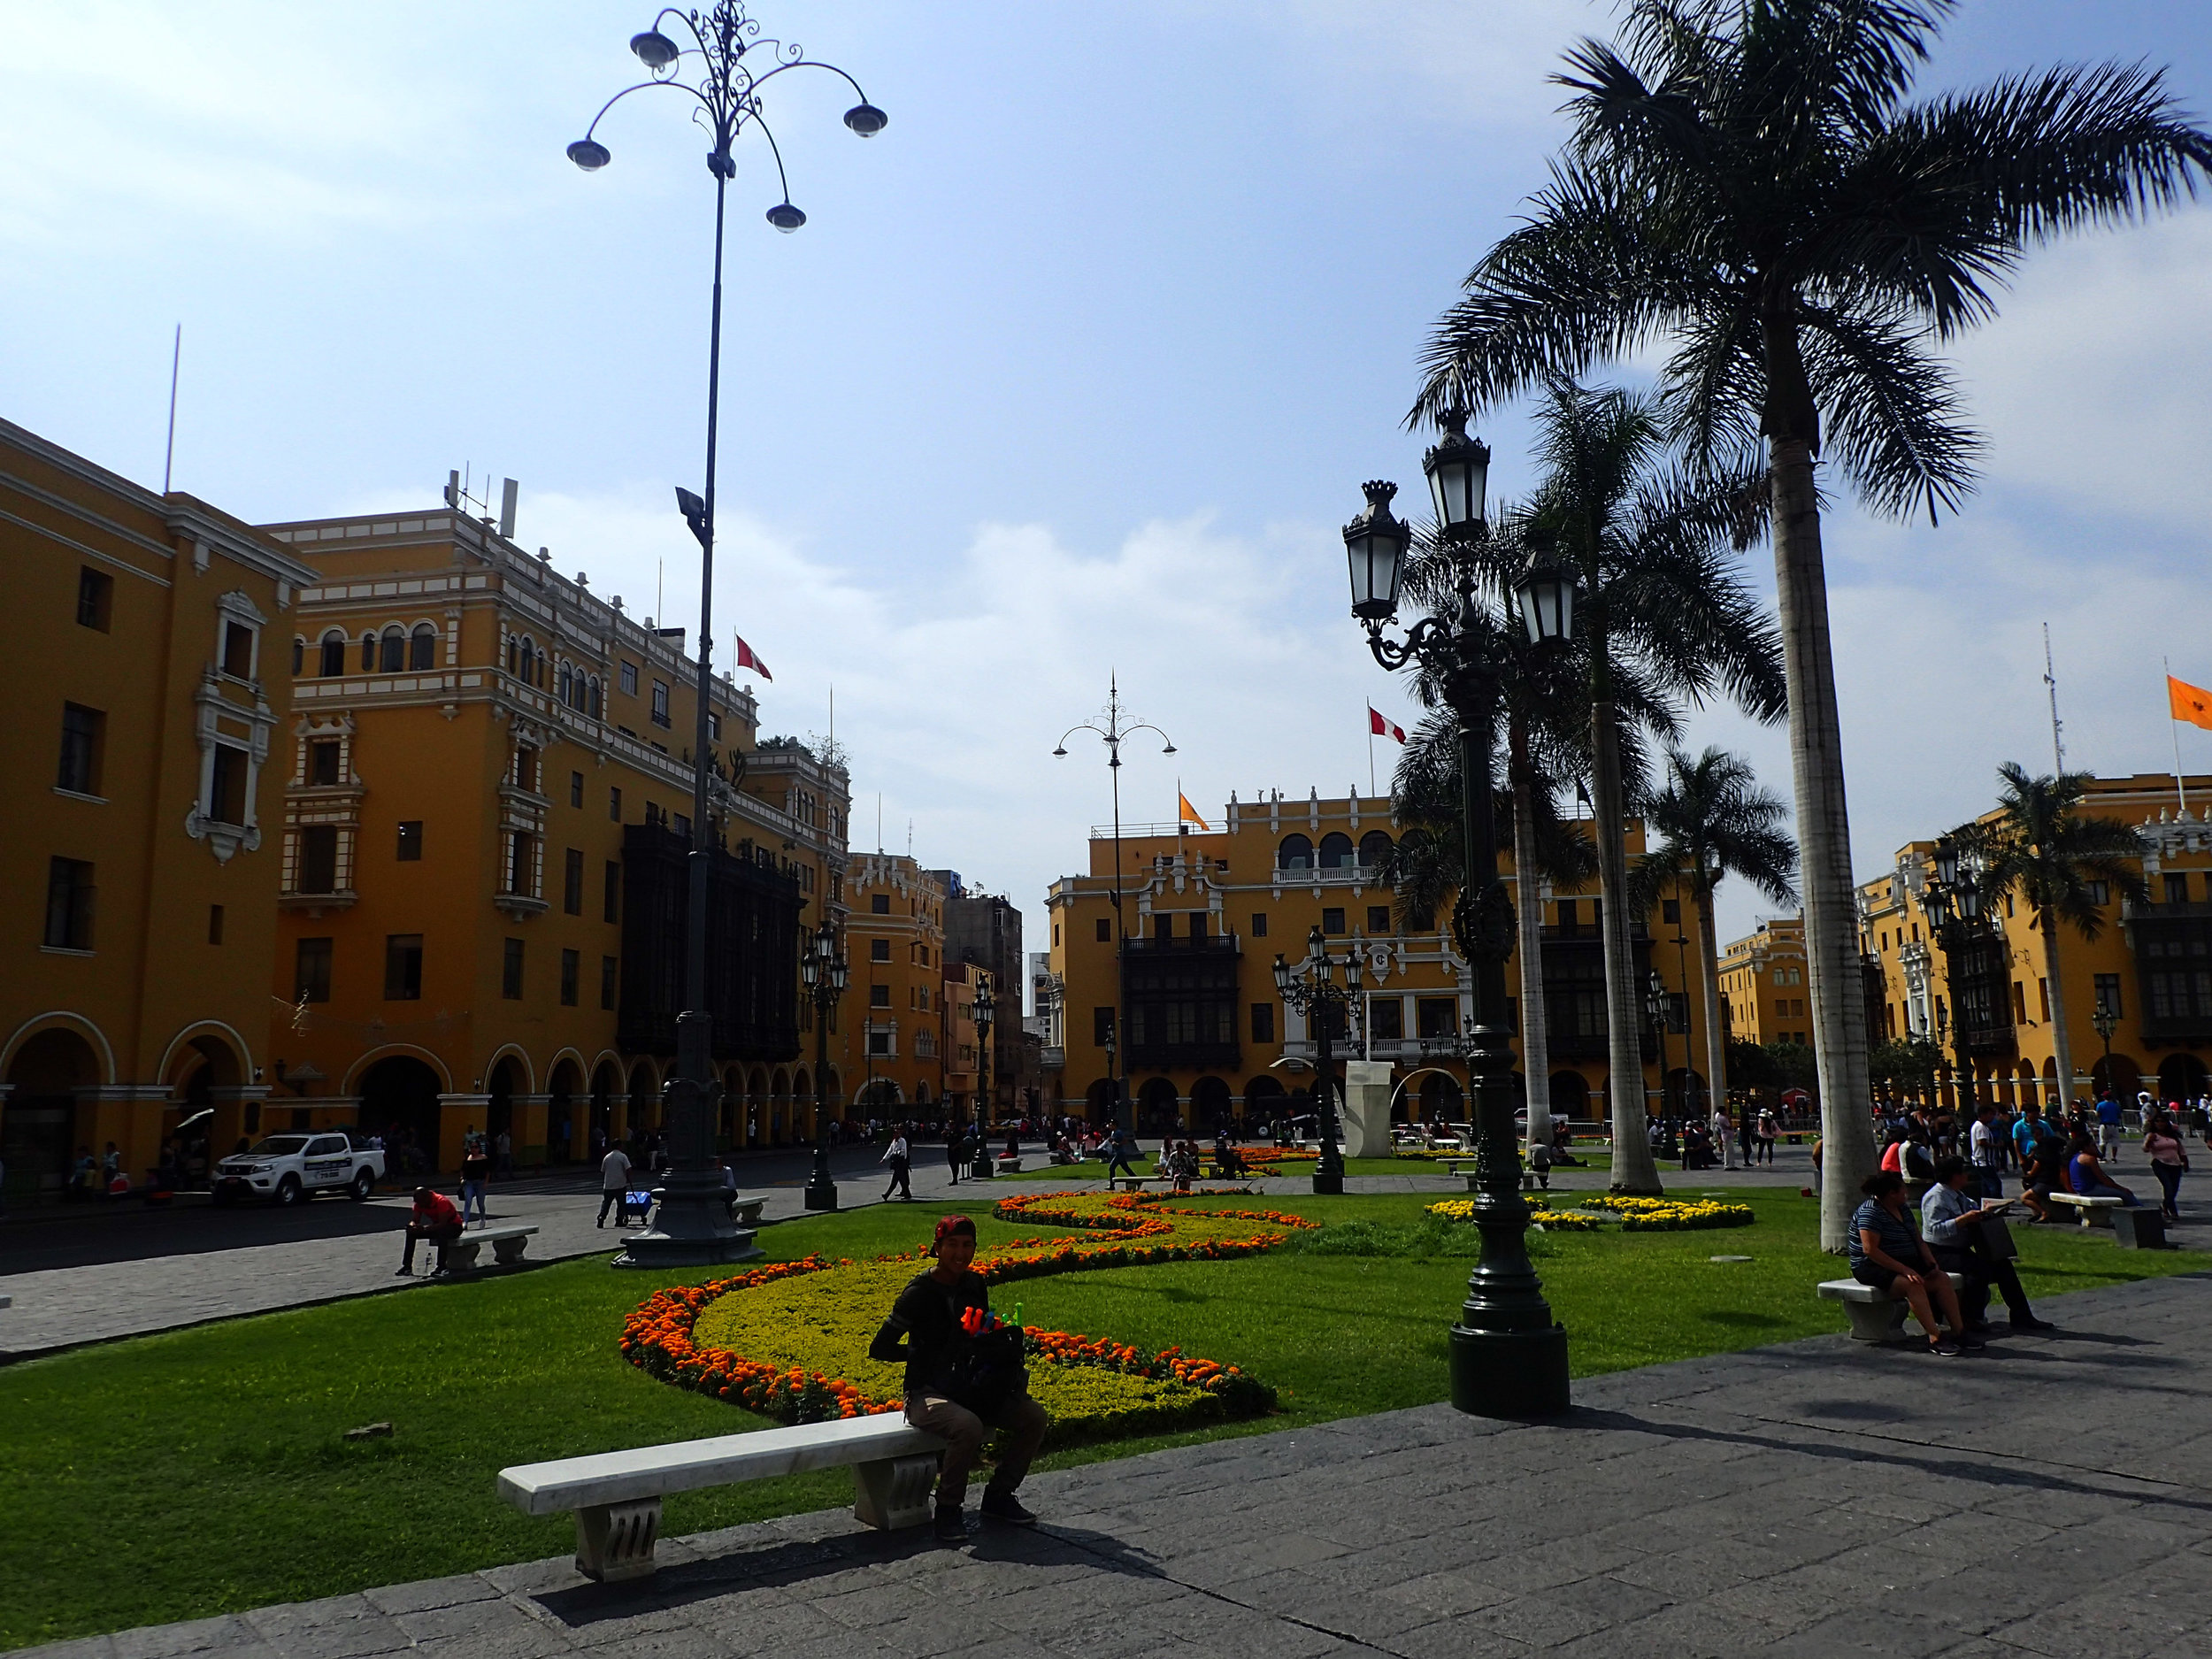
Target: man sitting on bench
(434, 1218)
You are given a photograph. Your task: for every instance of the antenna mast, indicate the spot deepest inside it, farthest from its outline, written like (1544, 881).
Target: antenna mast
(2050, 682)
(169, 454)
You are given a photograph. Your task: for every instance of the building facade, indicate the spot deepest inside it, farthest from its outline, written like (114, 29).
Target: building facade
(1184, 987)
(984, 930)
(151, 690)
(484, 826)
(1763, 994)
(1983, 992)
(895, 945)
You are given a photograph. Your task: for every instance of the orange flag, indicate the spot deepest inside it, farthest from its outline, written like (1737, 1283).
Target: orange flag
(1190, 812)
(2189, 703)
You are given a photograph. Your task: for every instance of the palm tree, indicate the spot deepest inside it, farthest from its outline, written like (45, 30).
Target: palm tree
(1714, 821)
(1660, 591)
(2042, 844)
(1747, 185)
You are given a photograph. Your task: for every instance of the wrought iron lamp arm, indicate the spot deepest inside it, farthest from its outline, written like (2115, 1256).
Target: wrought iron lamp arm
(1425, 637)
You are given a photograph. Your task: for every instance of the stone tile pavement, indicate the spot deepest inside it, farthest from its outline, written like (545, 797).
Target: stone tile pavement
(1818, 1499)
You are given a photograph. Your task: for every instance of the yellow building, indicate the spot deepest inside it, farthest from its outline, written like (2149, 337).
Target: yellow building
(1207, 1040)
(895, 944)
(1762, 984)
(149, 682)
(1985, 996)
(486, 815)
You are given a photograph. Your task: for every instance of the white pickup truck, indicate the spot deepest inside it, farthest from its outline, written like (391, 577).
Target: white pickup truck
(292, 1168)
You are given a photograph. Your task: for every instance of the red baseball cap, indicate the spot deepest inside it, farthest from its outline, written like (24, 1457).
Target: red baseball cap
(946, 1225)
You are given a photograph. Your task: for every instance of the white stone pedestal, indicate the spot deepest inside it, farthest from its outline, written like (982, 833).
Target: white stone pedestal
(1366, 1114)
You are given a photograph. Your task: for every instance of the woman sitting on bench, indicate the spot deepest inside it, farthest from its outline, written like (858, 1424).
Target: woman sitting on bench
(1888, 1253)
(2085, 1171)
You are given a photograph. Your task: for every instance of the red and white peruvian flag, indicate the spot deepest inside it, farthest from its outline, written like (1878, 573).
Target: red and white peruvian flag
(1379, 727)
(746, 657)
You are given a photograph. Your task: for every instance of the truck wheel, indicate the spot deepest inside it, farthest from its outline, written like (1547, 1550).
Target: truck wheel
(364, 1184)
(290, 1191)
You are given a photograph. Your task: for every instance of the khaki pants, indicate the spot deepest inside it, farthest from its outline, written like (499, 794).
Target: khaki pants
(1021, 1418)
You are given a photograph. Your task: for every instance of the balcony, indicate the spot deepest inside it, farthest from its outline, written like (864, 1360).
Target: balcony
(1334, 875)
(1212, 945)
(1052, 1059)
(315, 903)
(1988, 1039)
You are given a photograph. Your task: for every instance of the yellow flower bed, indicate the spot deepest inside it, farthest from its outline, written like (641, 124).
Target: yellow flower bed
(792, 1339)
(1539, 1215)
(1670, 1215)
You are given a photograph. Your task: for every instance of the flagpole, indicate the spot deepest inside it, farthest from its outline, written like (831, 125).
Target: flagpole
(2173, 728)
(1371, 754)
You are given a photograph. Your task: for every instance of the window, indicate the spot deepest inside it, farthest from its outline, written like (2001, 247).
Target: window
(391, 652)
(572, 970)
(2108, 995)
(1259, 923)
(2177, 887)
(1671, 911)
(299, 657)
(95, 597)
(607, 968)
(2100, 892)
(596, 706)
(403, 967)
(318, 871)
(610, 901)
(1262, 1022)
(1374, 847)
(1378, 918)
(879, 951)
(1333, 922)
(681, 823)
(322, 761)
(1105, 930)
(629, 679)
(614, 805)
(311, 970)
(879, 1042)
(510, 971)
(1386, 1017)
(1199, 925)
(2043, 990)
(1162, 927)
(411, 840)
(714, 725)
(238, 651)
(1439, 1016)
(226, 786)
(69, 904)
(878, 905)
(576, 788)
(526, 768)
(660, 703)
(1055, 933)
(333, 655)
(368, 653)
(422, 647)
(2019, 1004)
(1102, 1025)
(81, 731)
(214, 924)
(572, 881)
(1336, 851)
(878, 997)
(1295, 853)
(1569, 912)
(520, 863)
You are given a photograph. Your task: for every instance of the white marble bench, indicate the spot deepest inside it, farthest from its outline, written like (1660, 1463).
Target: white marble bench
(1137, 1183)
(617, 1495)
(508, 1243)
(2094, 1212)
(1875, 1317)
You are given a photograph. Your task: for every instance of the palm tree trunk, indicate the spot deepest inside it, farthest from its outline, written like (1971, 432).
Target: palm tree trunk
(2062, 1039)
(1634, 1170)
(1528, 897)
(1824, 840)
(1709, 980)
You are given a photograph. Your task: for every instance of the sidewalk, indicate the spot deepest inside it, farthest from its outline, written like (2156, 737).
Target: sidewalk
(1816, 1498)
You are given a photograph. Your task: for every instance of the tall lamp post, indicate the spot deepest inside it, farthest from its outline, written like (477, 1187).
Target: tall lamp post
(1309, 988)
(2107, 1022)
(1656, 1006)
(691, 1222)
(824, 972)
(981, 1009)
(1952, 906)
(1509, 1356)
(1112, 734)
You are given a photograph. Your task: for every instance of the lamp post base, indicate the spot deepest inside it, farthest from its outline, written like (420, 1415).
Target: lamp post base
(690, 1229)
(821, 1186)
(1328, 1184)
(1510, 1373)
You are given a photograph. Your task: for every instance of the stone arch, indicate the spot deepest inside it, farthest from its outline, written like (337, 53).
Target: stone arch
(756, 1101)
(733, 1101)
(1570, 1095)
(501, 1084)
(1159, 1106)
(1337, 852)
(1209, 1104)
(527, 1078)
(803, 1106)
(776, 1129)
(567, 1132)
(836, 1091)
(1295, 853)
(1263, 1101)
(399, 1094)
(1442, 1097)
(1685, 1092)
(606, 1099)
(1098, 1101)
(2181, 1076)
(644, 1102)
(1374, 848)
(62, 1019)
(2054, 1096)
(2124, 1077)
(207, 1041)
(47, 1070)
(358, 1069)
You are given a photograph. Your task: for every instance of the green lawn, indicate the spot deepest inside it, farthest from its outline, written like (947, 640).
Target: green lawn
(173, 1477)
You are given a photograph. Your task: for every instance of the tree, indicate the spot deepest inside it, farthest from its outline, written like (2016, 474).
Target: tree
(2045, 846)
(1906, 1063)
(1747, 186)
(1661, 595)
(1712, 821)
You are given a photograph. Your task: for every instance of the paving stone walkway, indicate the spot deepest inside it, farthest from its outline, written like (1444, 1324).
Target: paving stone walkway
(2048, 1499)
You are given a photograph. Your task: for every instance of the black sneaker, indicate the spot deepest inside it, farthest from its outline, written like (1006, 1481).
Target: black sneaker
(404, 1273)
(950, 1527)
(1945, 1349)
(1006, 1508)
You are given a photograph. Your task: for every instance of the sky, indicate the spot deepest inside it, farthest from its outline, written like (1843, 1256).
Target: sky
(1073, 371)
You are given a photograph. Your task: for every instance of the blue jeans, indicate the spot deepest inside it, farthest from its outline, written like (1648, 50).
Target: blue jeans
(472, 1192)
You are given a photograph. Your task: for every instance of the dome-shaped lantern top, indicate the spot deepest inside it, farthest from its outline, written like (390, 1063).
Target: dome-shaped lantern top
(866, 119)
(653, 49)
(589, 154)
(1458, 470)
(1375, 545)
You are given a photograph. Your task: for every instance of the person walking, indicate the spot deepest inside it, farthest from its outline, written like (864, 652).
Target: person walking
(2169, 1160)
(2109, 1125)
(898, 1154)
(1986, 1148)
(476, 1168)
(1123, 1145)
(956, 1149)
(614, 1187)
(1722, 1136)
(1744, 1131)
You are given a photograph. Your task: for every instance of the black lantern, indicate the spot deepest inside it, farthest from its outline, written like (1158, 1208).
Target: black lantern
(1970, 902)
(1458, 471)
(1375, 544)
(1947, 862)
(1545, 594)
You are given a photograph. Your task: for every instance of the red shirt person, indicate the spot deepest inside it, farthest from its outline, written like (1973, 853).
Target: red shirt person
(433, 1217)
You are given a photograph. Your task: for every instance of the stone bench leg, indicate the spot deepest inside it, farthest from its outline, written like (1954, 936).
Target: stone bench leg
(749, 1212)
(460, 1256)
(615, 1542)
(509, 1251)
(893, 1492)
(1876, 1321)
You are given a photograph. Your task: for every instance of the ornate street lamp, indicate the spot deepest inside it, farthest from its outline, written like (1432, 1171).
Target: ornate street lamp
(1951, 899)
(1112, 734)
(691, 1221)
(1309, 987)
(981, 1009)
(1509, 1356)
(2107, 1022)
(1656, 1006)
(823, 971)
